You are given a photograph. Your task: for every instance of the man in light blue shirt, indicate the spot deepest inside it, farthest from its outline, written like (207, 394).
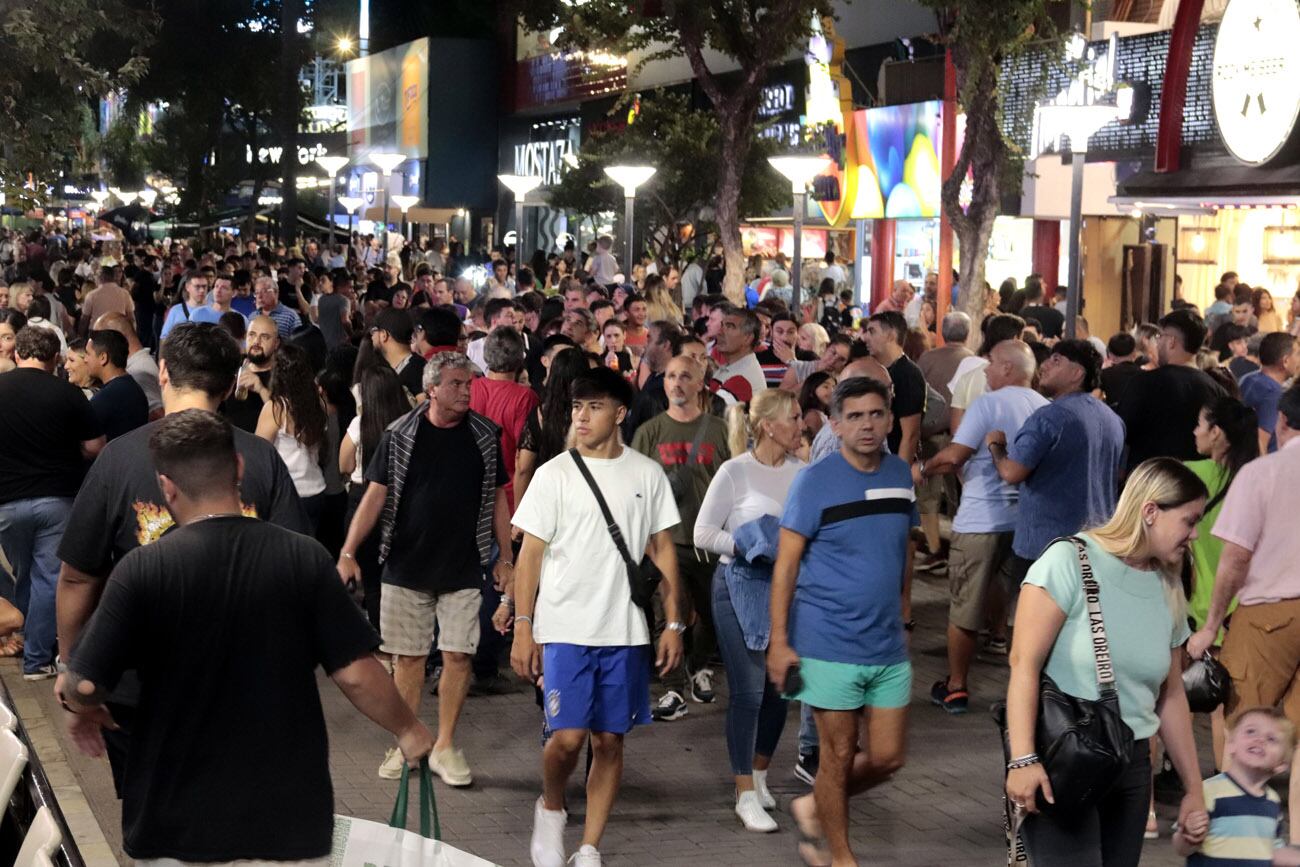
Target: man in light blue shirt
(982, 530)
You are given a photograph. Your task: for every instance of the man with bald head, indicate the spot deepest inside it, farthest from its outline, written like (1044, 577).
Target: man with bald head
(986, 518)
(139, 362)
(254, 385)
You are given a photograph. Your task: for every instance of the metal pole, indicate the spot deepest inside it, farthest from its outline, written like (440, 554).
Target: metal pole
(796, 292)
(519, 232)
(859, 258)
(387, 183)
(628, 244)
(330, 213)
(1075, 288)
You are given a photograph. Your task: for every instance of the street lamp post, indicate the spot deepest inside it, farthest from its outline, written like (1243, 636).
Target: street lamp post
(147, 197)
(387, 162)
(799, 170)
(629, 178)
(351, 203)
(521, 186)
(332, 166)
(405, 203)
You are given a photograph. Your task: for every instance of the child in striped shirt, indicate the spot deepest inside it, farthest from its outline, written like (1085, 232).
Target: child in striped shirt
(1244, 813)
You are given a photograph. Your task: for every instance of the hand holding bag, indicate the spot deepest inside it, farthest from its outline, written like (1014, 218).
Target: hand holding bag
(643, 576)
(1207, 683)
(359, 842)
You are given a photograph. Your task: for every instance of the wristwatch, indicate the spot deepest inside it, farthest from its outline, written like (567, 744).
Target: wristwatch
(676, 626)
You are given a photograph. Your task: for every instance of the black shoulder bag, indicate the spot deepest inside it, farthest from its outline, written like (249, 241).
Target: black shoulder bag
(642, 576)
(1084, 745)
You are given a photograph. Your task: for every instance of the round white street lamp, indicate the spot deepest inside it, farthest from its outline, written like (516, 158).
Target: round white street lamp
(405, 203)
(629, 178)
(332, 166)
(799, 170)
(351, 203)
(387, 162)
(521, 186)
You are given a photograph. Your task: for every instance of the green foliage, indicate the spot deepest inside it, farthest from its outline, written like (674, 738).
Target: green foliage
(59, 58)
(684, 145)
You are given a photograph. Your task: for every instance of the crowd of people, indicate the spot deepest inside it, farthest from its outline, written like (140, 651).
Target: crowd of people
(617, 487)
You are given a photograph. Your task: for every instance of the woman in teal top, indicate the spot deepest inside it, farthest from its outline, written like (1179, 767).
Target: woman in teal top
(1134, 557)
(1226, 436)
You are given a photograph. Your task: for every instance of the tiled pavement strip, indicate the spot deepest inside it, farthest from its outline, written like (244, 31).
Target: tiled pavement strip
(675, 804)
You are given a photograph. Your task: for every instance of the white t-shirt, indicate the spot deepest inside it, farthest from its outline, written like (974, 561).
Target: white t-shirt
(963, 367)
(603, 267)
(988, 504)
(742, 491)
(354, 434)
(969, 386)
(584, 596)
(746, 367)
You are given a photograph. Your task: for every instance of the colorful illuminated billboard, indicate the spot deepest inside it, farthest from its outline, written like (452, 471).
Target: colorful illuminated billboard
(388, 101)
(896, 157)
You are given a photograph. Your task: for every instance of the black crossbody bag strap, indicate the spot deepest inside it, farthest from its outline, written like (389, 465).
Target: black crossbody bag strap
(610, 524)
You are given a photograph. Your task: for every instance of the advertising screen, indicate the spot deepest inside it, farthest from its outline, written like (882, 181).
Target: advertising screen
(388, 101)
(897, 159)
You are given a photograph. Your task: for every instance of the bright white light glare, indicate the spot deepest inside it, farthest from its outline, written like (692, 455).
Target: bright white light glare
(520, 185)
(331, 165)
(351, 203)
(387, 162)
(100, 196)
(799, 170)
(147, 197)
(1198, 243)
(629, 177)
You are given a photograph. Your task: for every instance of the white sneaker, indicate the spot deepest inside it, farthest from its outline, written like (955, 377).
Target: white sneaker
(760, 788)
(547, 846)
(391, 769)
(450, 765)
(752, 814)
(587, 856)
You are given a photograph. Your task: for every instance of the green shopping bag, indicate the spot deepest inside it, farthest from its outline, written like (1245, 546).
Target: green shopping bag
(362, 843)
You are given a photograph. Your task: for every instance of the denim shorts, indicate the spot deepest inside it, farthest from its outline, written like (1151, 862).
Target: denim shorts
(845, 686)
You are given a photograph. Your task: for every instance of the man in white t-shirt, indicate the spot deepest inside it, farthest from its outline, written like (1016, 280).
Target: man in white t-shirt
(582, 628)
(603, 267)
(739, 375)
(986, 518)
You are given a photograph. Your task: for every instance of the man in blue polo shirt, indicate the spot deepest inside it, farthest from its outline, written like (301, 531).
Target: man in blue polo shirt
(1262, 389)
(841, 608)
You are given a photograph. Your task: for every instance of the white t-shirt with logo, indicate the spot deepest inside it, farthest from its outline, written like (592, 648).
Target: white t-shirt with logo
(584, 596)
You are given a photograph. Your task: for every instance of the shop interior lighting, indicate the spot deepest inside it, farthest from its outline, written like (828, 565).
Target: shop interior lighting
(1282, 245)
(1198, 245)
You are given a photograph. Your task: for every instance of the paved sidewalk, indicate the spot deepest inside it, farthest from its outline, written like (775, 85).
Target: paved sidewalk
(675, 806)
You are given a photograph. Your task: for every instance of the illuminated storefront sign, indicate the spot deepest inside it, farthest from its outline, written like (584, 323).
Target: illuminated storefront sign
(1256, 78)
(542, 159)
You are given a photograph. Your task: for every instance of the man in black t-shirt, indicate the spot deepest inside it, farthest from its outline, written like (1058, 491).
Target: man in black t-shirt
(120, 506)
(47, 434)
(253, 388)
(227, 619)
(120, 404)
(391, 337)
(1161, 407)
(437, 495)
(884, 337)
(1050, 320)
(1122, 349)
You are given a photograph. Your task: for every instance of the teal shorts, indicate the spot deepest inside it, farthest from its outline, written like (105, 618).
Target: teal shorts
(844, 686)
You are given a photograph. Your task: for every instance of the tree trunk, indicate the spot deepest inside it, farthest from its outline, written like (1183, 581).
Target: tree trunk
(290, 96)
(737, 135)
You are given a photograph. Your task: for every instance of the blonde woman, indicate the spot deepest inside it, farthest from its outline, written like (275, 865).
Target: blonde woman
(813, 338)
(1135, 557)
(746, 488)
(659, 302)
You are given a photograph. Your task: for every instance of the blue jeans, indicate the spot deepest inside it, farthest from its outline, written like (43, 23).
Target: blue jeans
(487, 659)
(756, 711)
(30, 531)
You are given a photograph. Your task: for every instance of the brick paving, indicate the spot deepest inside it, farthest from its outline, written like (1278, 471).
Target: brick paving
(675, 805)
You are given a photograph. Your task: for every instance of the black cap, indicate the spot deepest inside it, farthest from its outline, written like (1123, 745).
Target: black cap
(396, 322)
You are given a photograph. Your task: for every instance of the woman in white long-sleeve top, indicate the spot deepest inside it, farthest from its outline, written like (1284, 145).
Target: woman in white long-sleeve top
(739, 521)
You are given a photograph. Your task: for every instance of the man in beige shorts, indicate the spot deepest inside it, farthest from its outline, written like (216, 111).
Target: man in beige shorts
(436, 490)
(982, 530)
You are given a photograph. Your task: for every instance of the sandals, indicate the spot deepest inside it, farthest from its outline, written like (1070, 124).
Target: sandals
(810, 847)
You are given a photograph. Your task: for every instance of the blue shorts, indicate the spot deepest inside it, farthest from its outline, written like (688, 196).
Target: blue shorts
(601, 689)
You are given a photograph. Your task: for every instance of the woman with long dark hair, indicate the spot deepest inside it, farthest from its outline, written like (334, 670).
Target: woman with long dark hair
(547, 432)
(294, 420)
(1226, 437)
(815, 400)
(383, 401)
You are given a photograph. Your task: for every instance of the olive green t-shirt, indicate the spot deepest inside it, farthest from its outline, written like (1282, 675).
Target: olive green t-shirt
(672, 445)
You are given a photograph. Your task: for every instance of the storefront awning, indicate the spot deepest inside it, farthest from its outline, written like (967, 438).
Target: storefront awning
(1209, 187)
(414, 215)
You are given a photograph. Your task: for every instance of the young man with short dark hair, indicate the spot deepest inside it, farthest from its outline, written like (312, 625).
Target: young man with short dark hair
(1279, 362)
(120, 403)
(885, 334)
(841, 612)
(576, 619)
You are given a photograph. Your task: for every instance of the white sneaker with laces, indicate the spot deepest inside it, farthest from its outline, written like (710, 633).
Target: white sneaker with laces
(752, 814)
(587, 856)
(760, 788)
(672, 706)
(391, 769)
(701, 686)
(547, 846)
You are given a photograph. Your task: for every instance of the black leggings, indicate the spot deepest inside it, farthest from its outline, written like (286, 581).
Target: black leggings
(1108, 835)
